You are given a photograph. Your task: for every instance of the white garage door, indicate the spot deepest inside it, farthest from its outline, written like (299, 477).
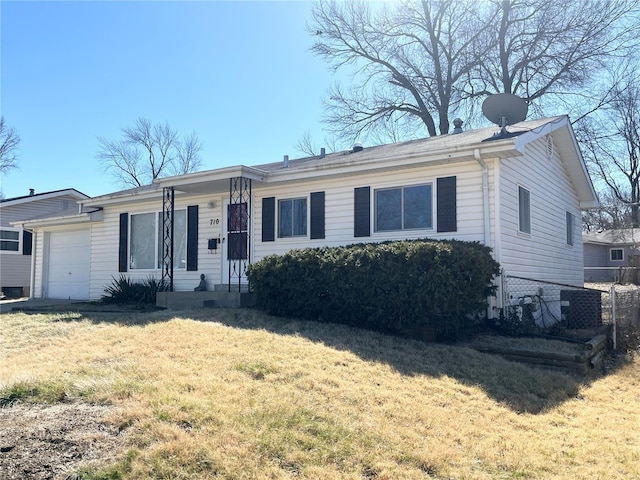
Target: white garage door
(69, 265)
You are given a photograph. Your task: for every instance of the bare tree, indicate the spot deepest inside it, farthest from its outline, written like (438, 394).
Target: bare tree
(188, 155)
(9, 142)
(408, 62)
(148, 151)
(423, 59)
(612, 214)
(307, 146)
(611, 143)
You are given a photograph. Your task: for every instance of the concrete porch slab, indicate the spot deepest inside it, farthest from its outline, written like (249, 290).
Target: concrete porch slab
(186, 300)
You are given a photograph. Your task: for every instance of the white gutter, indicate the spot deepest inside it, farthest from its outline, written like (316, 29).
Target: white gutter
(485, 196)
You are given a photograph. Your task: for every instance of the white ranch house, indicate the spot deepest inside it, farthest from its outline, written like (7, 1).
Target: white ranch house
(521, 194)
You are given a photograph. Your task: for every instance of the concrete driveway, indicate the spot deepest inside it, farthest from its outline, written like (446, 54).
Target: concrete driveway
(19, 303)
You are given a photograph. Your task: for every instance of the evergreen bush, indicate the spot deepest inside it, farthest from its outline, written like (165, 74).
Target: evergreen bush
(412, 287)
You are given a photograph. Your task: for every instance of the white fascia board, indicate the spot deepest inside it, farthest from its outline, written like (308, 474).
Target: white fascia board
(96, 216)
(124, 197)
(541, 131)
(589, 204)
(211, 175)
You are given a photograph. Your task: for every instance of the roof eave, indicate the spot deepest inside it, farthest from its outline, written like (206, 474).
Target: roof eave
(79, 196)
(79, 218)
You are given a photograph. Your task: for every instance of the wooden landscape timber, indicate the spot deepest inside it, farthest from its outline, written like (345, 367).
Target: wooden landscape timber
(583, 362)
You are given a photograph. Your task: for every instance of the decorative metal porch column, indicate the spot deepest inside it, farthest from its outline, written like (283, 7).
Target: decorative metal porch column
(168, 212)
(239, 230)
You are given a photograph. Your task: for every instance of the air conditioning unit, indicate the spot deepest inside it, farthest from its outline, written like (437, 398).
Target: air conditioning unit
(581, 308)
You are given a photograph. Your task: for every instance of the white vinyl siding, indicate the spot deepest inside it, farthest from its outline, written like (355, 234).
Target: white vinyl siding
(542, 254)
(104, 248)
(339, 206)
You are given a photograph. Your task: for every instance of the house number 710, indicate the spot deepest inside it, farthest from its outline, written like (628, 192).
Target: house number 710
(214, 221)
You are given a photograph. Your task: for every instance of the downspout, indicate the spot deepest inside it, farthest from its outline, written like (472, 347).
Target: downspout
(485, 196)
(485, 215)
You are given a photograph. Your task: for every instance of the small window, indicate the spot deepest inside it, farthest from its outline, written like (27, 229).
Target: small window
(617, 254)
(292, 217)
(570, 219)
(404, 208)
(9, 240)
(524, 210)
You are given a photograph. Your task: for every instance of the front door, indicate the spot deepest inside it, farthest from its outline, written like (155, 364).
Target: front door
(235, 250)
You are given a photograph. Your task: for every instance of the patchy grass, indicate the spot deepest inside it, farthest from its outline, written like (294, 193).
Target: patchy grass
(237, 394)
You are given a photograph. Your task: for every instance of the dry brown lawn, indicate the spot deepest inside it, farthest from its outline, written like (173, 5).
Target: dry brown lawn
(236, 394)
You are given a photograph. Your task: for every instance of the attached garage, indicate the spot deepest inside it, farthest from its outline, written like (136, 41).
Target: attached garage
(67, 264)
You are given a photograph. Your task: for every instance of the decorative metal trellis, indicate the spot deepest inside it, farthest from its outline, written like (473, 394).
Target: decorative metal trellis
(168, 212)
(239, 230)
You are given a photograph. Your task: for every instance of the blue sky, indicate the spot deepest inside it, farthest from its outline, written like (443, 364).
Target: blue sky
(239, 74)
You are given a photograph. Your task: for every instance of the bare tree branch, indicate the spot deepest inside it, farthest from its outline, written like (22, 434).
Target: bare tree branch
(306, 146)
(188, 155)
(611, 145)
(9, 142)
(148, 151)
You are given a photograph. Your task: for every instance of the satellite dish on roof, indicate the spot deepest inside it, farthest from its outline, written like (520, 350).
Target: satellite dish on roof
(504, 109)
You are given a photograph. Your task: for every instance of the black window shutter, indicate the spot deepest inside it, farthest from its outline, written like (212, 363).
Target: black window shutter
(122, 249)
(269, 219)
(362, 212)
(317, 215)
(192, 238)
(446, 198)
(27, 242)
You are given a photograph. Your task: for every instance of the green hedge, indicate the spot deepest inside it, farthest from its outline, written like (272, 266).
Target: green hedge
(414, 287)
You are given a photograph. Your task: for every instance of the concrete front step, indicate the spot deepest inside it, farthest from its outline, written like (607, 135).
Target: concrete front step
(216, 299)
(224, 287)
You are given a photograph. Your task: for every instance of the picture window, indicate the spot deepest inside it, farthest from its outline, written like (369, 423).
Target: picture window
(404, 208)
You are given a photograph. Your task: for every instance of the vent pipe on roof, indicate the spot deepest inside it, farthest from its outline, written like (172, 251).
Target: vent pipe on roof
(457, 124)
(323, 152)
(286, 161)
(32, 192)
(357, 147)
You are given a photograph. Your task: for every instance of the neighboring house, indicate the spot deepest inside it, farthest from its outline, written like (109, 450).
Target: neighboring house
(16, 242)
(520, 193)
(609, 254)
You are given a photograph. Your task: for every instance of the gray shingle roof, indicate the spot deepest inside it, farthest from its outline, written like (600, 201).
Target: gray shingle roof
(438, 143)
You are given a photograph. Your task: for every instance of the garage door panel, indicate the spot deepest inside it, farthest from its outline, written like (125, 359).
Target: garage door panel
(69, 265)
